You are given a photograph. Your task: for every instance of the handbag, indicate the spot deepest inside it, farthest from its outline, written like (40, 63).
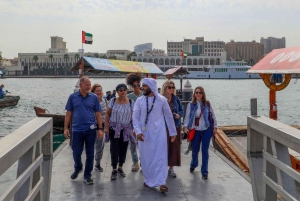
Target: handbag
(210, 118)
(192, 132)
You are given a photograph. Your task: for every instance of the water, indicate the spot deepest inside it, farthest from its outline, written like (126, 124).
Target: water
(229, 98)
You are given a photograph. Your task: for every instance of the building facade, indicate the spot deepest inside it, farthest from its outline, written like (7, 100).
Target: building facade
(154, 52)
(119, 54)
(139, 49)
(244, 50)
(57, 45)
(195, 47)
(272, 43)
(192, 62)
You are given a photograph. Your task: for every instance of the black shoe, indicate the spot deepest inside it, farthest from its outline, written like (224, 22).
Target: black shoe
(88, 181)
(121, 173)
(75, 174)
(114, 175)
(98, 168)
(204, 176)
(192, 170)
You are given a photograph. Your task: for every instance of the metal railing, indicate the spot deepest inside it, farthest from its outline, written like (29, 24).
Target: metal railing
(31, 146)
(268, 142)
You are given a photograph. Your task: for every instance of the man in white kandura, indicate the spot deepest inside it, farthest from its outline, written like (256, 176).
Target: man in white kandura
(151, 114)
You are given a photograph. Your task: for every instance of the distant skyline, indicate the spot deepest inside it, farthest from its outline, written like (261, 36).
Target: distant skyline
(26, 26)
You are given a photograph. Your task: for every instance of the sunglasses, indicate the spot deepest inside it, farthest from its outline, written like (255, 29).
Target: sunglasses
(171, 87)
(198, 92)
(121, 90)
(136, 85)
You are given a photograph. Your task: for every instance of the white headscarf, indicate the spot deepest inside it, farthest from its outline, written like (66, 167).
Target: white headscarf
(153, 86)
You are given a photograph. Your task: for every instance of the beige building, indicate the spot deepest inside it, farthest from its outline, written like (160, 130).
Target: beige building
(57, 45)
(119, 54)
(154, 52)
(244, 50)
(196, 47)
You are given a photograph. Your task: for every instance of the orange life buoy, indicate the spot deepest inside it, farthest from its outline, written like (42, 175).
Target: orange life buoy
(274, 86)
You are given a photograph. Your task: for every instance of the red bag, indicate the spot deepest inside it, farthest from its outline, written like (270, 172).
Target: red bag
(192, 132)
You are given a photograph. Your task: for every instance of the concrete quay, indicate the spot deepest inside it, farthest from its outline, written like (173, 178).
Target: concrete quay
(225, 182)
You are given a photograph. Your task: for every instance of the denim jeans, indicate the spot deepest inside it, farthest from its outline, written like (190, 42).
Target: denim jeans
(79, 139)
(204, 137)
(134, 155)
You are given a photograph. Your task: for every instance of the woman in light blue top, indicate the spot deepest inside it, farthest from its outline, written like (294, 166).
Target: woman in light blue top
(200, 108)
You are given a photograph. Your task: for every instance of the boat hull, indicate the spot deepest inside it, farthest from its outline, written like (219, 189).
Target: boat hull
(8, 101)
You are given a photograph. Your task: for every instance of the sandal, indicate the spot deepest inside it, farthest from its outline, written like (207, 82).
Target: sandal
(163, 189)
(145, 185)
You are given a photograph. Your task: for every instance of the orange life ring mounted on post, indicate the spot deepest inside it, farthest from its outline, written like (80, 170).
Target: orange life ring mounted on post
(267, 80)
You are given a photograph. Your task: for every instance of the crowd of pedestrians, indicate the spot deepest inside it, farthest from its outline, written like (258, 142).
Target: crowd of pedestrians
(149, 120)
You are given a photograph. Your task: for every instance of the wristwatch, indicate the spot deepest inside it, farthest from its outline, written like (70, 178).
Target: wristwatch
(100, 129)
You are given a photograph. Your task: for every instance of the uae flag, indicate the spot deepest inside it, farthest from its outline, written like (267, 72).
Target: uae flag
(87, 38)
(184, 54)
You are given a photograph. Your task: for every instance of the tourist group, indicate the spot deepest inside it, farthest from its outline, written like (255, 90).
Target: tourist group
(148, 120)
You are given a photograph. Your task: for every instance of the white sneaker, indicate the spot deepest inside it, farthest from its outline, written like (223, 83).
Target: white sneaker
(135, 166)
(171, 173)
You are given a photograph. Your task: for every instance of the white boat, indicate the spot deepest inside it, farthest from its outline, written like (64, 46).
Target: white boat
(227, 70)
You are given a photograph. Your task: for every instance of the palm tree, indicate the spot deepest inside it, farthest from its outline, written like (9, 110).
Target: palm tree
(132, 54)
(96, 55)
(0, 59)
(66, 57)
(35, 58)
(77, 57)
(51, 58)
(103, 56)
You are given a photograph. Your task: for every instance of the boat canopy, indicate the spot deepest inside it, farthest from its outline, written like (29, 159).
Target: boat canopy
(178, 70)
(99, 65)
(279, 61)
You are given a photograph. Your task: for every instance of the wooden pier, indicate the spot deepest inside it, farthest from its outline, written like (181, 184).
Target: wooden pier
(225, 182)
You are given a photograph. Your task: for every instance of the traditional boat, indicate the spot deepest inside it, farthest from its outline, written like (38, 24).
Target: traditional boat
(58, 119)
(7, 101)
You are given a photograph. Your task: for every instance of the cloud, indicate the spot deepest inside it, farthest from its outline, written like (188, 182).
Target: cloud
(124, 24)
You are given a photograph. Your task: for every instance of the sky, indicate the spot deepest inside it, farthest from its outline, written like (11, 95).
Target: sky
(26, 25)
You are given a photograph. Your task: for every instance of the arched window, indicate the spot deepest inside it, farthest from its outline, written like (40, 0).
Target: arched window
(212, 61)
(144, 60)
(133, 59)
(150, 60)
(189, 62)
(200, 61)
(156, 61)
(194, 61)
(161, 62)
(139, 60)
(218, 61)
(172, 61)
(206, 61)
(177, 61)
(167, 62)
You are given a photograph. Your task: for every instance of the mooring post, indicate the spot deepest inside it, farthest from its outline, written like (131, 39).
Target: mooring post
(253, 105)
(254, 155)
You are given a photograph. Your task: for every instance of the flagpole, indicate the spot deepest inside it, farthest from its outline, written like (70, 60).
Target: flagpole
(82, 61)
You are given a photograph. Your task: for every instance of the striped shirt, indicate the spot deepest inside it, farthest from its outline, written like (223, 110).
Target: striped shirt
(121, 113)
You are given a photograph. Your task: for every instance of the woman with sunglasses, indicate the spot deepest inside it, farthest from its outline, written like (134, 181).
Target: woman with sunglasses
(99, 145)
(197, 116)
(118, 126)
(174, 157)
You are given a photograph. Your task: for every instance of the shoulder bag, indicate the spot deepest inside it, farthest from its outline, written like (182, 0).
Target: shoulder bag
(192, 132)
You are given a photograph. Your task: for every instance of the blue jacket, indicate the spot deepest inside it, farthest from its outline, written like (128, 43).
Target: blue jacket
(193, 109)
(178, 109)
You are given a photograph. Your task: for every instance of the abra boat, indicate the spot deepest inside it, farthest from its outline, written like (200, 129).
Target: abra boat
(58, 119)
(7, 101)
(227, 70)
